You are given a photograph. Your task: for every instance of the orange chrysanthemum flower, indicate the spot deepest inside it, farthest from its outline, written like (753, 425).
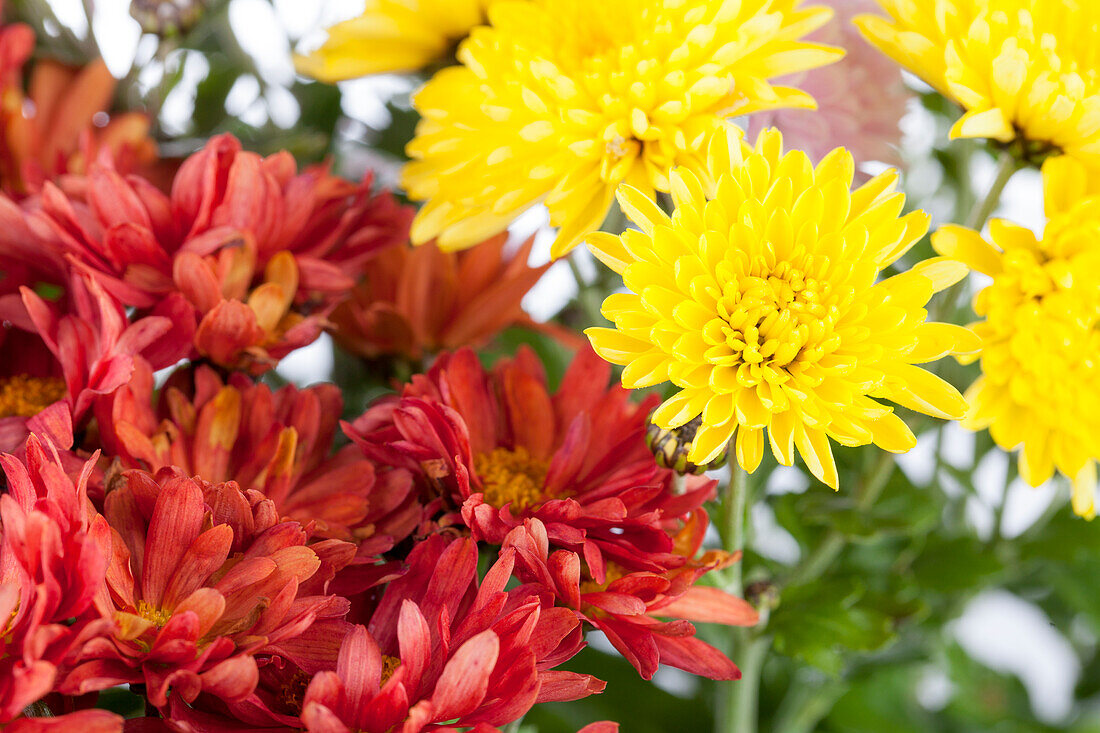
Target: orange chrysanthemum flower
(421, 300)
(203, 578)
(277, 443)
(59, 123)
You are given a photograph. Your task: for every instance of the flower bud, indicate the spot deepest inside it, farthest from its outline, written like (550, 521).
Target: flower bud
(671, 447)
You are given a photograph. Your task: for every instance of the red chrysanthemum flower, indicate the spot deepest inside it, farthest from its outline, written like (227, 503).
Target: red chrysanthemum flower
(502, 448)
(77, 356)
(52, 563)
(203, 578)
(443, 652)
(421, 300)
(276, 442)
(246, 255)
(645, 615)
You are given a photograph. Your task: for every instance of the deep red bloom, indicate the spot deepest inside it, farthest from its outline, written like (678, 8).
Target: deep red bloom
(645, 615)
(277, 442)
(203, 578)
(53, 558)
(246, 255)
(502, 448)
(89, 351)
(442, 652)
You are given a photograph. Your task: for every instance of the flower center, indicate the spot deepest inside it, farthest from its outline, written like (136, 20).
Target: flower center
(511, 477)
(25, 396)
(293, 691)
(155, 615)
(613, 571)
(9, 625)
(769, 320)
(389, 666)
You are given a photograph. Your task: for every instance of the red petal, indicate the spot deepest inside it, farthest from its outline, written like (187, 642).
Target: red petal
(695, 656)
(360, 668)
(465, 680)
(176, 523)
(562, 686)
(711, 605)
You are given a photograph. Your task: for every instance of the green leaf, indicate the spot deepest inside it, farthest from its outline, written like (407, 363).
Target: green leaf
(958, 565)
(818, 622)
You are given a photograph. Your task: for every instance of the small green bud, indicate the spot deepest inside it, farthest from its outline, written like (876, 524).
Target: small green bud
(671, 447)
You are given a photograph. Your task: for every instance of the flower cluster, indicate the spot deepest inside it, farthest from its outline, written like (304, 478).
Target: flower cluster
(428, 552)
(175, 524)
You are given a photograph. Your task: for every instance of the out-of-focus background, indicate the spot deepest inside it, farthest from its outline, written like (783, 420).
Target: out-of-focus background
(1004, 662)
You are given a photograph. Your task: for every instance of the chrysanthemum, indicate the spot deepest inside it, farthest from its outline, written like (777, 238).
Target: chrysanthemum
(246, 255)
(1040, 384)
(560, 101)
(860, 100)
(497, 447)
(445, 651)
(393, 36)
(760, 300)
(1027, 69)
(421, 300)
(646, 615)
(202, 579)
(276, 442)
(78, 356)
(53, 558)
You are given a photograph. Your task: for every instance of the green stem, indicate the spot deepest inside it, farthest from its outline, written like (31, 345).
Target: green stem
(742, 696)
(736, 500)
(512, 727)
(739, 698)
(805, 704)
(1011, 473)
(1007, 165)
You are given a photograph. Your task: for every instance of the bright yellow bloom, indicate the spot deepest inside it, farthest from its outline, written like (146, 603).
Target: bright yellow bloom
(1040, 383)
(393, 36)
(562, 100)
(1027, 68)
(759, 300)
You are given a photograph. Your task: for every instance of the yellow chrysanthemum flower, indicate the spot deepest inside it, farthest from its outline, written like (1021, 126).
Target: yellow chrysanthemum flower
(1019, 68)
(393, 36)
(758, 299)
(562, 100)
(1040, 383)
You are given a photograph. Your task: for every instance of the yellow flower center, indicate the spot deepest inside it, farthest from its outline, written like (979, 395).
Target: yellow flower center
(155, 615)
(389, 666)
(769, 319)
(511, 477)
(25, 396)
(9, 625)
(614, 571)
